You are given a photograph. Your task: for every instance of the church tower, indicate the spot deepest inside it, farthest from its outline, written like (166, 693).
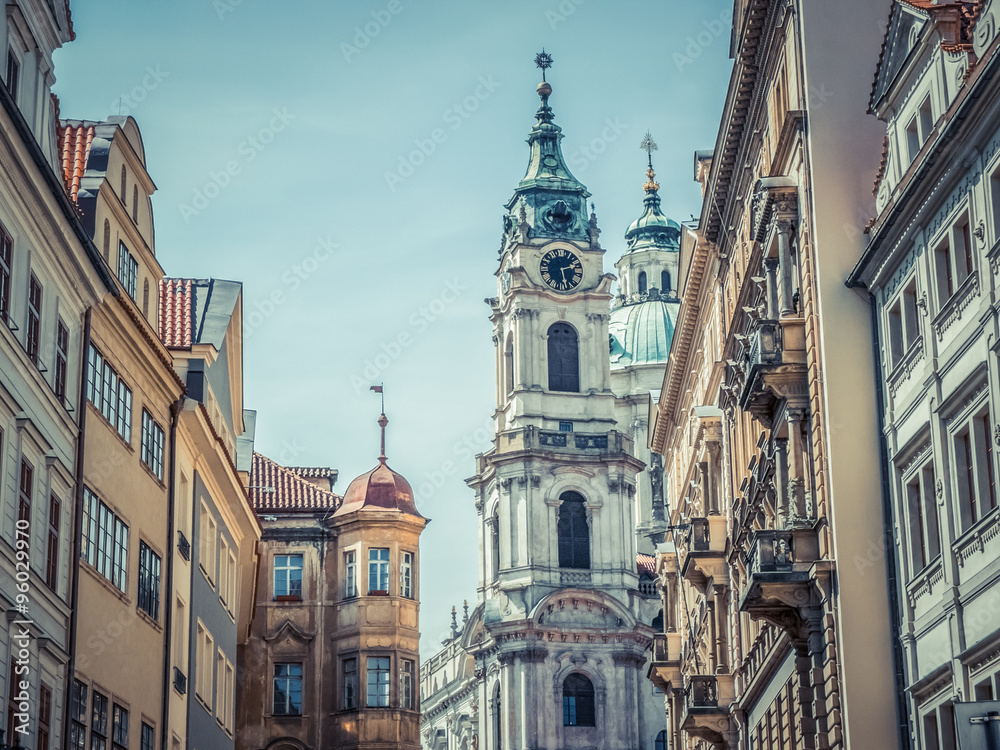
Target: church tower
(559, 637)
(643, 317)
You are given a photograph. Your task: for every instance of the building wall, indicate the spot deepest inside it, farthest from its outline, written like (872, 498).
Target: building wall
(208, 725)
(36, 424)
(936, 349)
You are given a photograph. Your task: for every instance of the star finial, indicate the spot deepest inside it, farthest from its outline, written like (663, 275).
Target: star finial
(543, 60)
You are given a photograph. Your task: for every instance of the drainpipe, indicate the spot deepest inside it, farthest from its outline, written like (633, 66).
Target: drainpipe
(902, 715)
(74, 555)
(168, 589)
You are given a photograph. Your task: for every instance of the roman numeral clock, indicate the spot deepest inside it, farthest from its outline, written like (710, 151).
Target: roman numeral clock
(561, 270)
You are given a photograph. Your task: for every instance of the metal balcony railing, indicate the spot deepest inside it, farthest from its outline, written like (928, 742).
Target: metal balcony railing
(183, 545)
(180, 681)
(702, 692)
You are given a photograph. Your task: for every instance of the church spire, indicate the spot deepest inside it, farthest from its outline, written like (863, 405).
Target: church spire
(555, 200)
(652, 230)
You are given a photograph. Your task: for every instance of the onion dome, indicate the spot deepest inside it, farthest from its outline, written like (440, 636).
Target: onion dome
(641, 334)
(379, 489)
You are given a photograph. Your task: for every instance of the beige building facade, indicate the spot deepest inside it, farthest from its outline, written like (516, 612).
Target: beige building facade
(773, 636)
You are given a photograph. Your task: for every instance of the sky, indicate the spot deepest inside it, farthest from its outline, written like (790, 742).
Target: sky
(349, 162)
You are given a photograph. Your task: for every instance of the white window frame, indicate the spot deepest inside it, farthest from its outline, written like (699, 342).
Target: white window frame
(350, 574)
(406, 574)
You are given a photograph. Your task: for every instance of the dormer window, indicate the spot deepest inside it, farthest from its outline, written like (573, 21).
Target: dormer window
(128, 270)
(13, 73)
(918, 129)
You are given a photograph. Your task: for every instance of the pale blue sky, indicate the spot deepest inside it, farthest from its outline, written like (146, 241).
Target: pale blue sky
(312, 123)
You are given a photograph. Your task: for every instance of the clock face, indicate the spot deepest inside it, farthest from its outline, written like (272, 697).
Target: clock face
(561, 270)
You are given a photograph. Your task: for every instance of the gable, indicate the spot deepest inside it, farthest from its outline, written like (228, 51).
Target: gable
(906, 24)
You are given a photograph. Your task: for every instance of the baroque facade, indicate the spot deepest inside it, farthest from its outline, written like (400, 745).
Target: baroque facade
(773, 637)
(552, 655)
(931, 268)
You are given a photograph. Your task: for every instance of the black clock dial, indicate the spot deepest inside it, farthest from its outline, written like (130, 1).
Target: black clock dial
(561, 270)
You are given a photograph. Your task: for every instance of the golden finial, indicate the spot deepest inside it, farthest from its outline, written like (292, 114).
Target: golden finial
(649, 146)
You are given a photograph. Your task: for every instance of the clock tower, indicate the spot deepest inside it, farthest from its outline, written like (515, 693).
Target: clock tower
(560, 634)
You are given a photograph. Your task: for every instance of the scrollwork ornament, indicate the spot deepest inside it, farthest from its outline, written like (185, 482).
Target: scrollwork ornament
(939, 492)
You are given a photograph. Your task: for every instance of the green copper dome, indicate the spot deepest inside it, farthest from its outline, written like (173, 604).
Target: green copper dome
(641, 334)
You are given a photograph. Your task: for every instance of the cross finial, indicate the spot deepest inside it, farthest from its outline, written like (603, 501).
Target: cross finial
(543, 60)
(649, 146)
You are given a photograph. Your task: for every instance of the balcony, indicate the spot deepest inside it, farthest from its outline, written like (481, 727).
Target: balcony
(780, 576)
(774, 366)
(533, 438)
(183, 545)
(703, 559)
(706, 708)
(664, 668)
(180, 681)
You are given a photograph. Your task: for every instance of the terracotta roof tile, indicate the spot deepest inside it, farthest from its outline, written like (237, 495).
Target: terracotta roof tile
(275, 489)
(74, 150)
(175, 313)
(646, 564)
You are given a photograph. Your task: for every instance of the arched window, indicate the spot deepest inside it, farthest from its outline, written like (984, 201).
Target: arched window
(145, 298)
(107, 241)
(661, 740)
(564, 359)
(496, 705)
(578, 701)
(124, 184)
(642, 282)
(495, 543)
(665, 281)
(508, 365)
(135, 203)
(574, 532)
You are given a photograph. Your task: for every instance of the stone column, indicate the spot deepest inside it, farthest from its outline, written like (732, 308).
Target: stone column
(781, 481)
(796, 465)
(785, 261)
(706, 490)
(721, 610)
(713, 637)
(771, 274)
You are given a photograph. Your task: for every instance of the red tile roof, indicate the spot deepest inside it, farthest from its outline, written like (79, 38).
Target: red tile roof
(74, 150)
(275, 489)
(646, 564)
(175, 313)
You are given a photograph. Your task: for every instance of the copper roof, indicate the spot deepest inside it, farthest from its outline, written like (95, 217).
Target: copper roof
(276, 489)
(74, 150)
(175, 313)
(380, 489)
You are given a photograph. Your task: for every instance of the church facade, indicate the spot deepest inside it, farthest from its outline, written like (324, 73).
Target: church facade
(553, 655)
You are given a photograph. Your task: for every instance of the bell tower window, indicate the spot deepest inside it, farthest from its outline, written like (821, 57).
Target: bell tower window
(574, 532)
(665, 281)
(564, 359)
(642, 282)
(508, 366)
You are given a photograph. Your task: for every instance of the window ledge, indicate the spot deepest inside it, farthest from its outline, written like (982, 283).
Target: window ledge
(977, 536)
(288, 598)
(925, 582)
(952, 310)
(901, 370)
